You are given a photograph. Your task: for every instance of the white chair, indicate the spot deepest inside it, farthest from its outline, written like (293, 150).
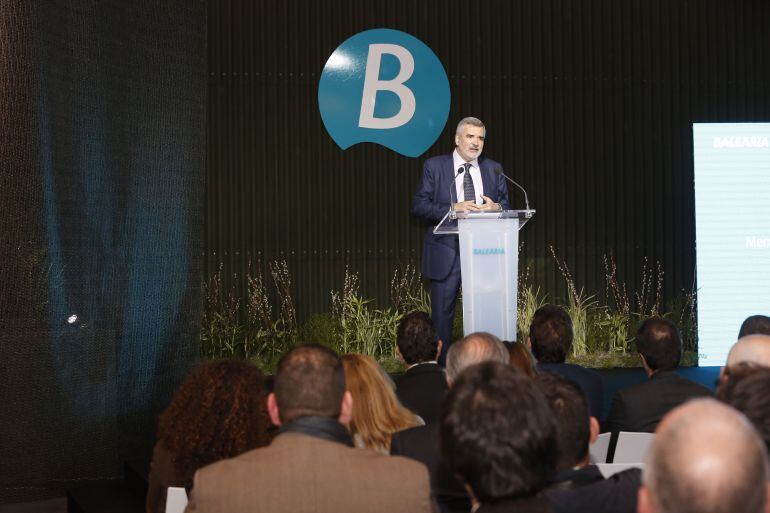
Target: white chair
(598, 449)
(176, 499)
(632, 447)
(608, 469)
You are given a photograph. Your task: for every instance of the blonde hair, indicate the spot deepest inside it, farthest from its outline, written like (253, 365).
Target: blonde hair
(377, 414)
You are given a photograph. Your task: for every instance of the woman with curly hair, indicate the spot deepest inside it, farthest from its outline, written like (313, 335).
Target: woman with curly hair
(377, 413)
(218, 412)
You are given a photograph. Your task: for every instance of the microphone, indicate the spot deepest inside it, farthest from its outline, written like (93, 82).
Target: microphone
(499, 171)
(453, 186)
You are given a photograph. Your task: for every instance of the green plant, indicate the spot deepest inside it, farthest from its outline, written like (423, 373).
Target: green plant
(613, 328)
(262, 331)
(407, 293)
(220, 330)
(580, 307)
(259, 337)
(323, 329)
(364, 330)
(616, 321)
(648, 299)
(458, 329)
(528, 300)
(682, 310)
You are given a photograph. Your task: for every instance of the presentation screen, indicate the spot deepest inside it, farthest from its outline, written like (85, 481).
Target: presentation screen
(732, 231)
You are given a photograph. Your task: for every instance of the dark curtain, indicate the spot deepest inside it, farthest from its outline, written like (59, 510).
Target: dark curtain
(102, 156)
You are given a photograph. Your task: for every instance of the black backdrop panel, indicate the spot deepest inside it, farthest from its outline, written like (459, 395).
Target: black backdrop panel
(588, 104)
(103, 133)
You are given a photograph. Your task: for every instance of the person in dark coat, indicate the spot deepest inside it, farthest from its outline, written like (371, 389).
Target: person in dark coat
(550, 339)
(640, 408)
(423, 386)
(577, 486)
(498, 435)
(422, 443)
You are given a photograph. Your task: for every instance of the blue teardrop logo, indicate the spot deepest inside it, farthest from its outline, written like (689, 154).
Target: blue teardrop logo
(387, 87)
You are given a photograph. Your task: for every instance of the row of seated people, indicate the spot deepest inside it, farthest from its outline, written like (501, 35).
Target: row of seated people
(492, 432)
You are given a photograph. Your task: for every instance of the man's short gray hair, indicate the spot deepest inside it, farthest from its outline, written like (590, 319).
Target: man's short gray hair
(470, 121)
(475, 348)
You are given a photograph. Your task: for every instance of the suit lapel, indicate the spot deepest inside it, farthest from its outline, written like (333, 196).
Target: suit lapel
(487, 180)
(447, 176)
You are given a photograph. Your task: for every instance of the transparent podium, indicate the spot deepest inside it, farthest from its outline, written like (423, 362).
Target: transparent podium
(489, 260)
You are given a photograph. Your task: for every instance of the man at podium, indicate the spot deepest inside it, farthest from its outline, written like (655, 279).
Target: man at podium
(463, 181)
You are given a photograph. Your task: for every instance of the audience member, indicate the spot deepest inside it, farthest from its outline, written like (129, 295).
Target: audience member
(422, 443)
(751, 349)
(472, 349)
(378, 414)
(705, 458)
(577, 485)
(747, 391)
(755, 325)
(311, 464)
(422, 387)
(520, 358)
(550, 338)
(218, 412)
(499, 436)
(641, 407)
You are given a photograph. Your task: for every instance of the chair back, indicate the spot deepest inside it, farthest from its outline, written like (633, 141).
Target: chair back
(598, 449)
(608, 469)
(632, 447)
(176, 499)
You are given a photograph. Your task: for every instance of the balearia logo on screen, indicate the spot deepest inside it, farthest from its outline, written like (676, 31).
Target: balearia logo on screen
(386, 87)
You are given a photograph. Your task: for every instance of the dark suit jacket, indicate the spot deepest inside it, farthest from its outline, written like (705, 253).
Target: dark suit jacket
(586, 491)
(422, 444)
(640, 407)
(590, 383)
(421, 389)
(435, 194)
(306, 474)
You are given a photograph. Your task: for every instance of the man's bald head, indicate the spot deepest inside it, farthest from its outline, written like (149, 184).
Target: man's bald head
(475, 348)
(705, 458)
(751, 349)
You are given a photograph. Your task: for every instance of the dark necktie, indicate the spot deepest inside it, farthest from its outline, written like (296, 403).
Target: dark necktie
(468, 190)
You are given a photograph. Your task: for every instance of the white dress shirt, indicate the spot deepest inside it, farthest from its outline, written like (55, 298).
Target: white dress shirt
(475, 172)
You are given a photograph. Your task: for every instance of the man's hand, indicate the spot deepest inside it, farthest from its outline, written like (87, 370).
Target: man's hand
(466, 206)
(489, 205)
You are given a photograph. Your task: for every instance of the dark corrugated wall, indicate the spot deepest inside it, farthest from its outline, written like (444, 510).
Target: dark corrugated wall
(588, 104)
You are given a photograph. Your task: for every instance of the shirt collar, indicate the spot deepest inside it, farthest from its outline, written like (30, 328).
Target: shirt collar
(320, 427)
(459, 161)
(434, 362)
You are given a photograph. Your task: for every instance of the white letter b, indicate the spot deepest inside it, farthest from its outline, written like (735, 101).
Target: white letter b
(372, 84)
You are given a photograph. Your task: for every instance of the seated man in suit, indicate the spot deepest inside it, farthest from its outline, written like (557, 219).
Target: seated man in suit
(422, 443)
(577, 485)
(550, 339)
(311, 465)
(705, 458)
(498, 434)
(422, 387)
(641, 407)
